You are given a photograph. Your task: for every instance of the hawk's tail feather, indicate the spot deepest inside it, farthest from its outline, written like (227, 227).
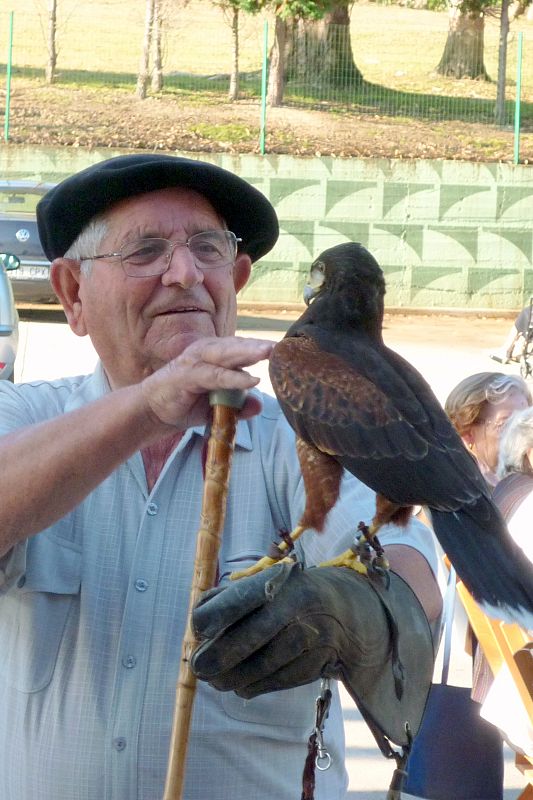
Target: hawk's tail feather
(492, 566)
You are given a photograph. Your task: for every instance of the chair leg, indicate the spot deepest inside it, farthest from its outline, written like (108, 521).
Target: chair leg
(524, 764)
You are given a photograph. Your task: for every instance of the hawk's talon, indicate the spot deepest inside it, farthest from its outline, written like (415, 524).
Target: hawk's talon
(287, 537)
(381, 561)
(380, 573)
(349, 559)
(359, 556)
(362, 550)
(278, 553)
(274, 552)
(259, 566)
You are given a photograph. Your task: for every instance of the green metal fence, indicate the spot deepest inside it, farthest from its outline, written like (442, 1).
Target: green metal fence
(388, 62)
(330, 72)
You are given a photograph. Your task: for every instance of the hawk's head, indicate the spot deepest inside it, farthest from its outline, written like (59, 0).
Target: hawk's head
(351, 277)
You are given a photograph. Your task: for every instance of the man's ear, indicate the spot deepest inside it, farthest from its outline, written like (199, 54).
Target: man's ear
(241, 270)
(65, 280)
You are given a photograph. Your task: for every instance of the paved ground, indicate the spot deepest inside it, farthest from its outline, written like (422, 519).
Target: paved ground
(444, 348)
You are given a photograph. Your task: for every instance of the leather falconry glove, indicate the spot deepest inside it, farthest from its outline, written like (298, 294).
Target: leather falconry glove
(288, 626)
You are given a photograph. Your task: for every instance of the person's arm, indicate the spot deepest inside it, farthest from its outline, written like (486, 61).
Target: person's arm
(48, 468)
(411, 565)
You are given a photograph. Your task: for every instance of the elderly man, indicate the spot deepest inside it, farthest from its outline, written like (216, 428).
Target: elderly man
(101, 493)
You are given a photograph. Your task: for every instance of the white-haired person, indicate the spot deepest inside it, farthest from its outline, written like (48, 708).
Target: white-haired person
(514, 496)
(515, 470)
(479, 406)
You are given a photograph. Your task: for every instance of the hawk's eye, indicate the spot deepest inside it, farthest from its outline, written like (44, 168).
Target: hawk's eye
(316, 274)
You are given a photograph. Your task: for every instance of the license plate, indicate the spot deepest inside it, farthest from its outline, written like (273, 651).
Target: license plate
(30, 273)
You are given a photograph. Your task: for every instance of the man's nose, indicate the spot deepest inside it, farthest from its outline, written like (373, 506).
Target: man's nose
(182, 268)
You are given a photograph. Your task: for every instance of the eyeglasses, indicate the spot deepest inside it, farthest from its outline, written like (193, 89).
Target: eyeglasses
(146, 258)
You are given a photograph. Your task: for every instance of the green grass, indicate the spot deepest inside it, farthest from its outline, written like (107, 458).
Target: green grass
(380, 100)
(230, 133)
(396, 49)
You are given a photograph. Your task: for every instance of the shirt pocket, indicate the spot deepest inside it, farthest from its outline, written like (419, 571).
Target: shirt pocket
(238, 560)
(291, 708)
(34, 613)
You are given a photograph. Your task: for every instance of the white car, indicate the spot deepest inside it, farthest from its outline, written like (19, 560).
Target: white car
(9, 319)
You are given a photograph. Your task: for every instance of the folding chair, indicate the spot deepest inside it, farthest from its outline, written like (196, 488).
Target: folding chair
(503, 643)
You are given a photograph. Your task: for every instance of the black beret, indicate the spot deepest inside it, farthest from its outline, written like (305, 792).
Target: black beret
(67, 208)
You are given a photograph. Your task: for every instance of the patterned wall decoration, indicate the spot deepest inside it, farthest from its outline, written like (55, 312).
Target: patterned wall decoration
(447, 234)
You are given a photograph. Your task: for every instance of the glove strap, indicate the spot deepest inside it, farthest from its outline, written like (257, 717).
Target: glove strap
(399, 775)
(397, 666)
(317, 755)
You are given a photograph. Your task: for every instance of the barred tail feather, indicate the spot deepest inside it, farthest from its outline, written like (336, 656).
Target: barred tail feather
(492, 566)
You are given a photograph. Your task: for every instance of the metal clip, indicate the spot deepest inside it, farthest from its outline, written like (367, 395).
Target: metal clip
(323, 702)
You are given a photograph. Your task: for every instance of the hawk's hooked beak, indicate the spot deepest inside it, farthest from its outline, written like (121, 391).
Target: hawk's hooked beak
(309, 293)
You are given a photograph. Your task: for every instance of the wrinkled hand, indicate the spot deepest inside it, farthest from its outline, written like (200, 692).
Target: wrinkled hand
(177, 394)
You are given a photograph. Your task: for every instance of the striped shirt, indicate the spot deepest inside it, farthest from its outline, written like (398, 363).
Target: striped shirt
(92, 614)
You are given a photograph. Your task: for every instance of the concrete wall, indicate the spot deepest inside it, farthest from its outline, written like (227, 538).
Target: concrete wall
(448, 234)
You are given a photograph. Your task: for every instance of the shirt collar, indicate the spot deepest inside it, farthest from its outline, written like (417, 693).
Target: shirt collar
(91, 388)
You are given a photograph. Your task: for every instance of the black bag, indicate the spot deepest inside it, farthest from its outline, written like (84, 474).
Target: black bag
(456, 754)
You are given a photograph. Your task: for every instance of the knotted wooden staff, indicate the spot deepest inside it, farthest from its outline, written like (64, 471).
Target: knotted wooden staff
(225, 404)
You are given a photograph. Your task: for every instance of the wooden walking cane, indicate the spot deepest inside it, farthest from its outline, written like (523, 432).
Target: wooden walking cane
(225, 404)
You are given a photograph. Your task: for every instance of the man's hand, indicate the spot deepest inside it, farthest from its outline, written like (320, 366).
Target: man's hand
(287, 626)
(52, 466)
(177, 394)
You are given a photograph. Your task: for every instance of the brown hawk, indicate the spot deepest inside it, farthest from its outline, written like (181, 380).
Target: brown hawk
(357, 405)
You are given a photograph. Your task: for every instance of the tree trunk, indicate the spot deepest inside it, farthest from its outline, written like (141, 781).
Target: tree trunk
(144, 65)
(52, 51)
(340, 69)
(157, 33)
(321, 53)
(233, 93)
(463, 52)
(502, 64)
(276, 73)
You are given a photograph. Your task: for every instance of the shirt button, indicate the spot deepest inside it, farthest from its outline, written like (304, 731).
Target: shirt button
(152, 509)
(129, 662)
(119, 743)
(21, 581)
(141, 585)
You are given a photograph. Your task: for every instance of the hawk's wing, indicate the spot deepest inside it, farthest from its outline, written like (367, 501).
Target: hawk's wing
(361, 410)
